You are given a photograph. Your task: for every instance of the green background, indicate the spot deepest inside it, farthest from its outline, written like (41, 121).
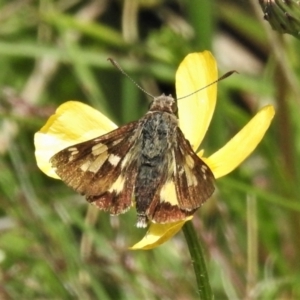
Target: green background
(51, 247)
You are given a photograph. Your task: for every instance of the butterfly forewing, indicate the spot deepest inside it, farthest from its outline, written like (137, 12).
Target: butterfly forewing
(193, 179)
(92, 167)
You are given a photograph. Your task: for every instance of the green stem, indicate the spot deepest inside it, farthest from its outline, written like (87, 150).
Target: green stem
(204, 289)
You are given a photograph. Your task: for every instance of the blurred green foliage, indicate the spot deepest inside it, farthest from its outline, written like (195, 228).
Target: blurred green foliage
(53, 51)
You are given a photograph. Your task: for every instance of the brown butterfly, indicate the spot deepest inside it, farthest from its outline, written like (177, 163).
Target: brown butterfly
(147, 163)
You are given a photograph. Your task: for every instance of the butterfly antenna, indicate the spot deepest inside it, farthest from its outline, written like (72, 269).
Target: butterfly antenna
(219, 79)
(116, 65)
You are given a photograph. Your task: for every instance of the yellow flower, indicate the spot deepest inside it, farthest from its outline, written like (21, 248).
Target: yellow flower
(75, 122)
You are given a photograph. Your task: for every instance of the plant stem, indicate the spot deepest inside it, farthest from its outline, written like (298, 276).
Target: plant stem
(204, 289)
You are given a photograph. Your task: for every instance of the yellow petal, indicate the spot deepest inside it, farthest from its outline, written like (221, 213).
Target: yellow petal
(72, 123)
(158, 234)
(242, 144)
(196, 71)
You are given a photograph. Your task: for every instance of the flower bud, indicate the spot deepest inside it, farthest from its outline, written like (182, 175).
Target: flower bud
(283, 16)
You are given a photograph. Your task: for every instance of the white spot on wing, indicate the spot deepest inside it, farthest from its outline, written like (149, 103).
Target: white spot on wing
(190, 177)
(84, 167)
(168, 193)
(118, 185)
(125, 160)
(189, 161)
(116, 142)
(74, 151)
(97, 163)
(203, 168)
(99, 149)
(114, 159)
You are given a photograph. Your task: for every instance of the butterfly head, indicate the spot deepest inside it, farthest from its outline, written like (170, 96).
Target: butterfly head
(164, 103)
